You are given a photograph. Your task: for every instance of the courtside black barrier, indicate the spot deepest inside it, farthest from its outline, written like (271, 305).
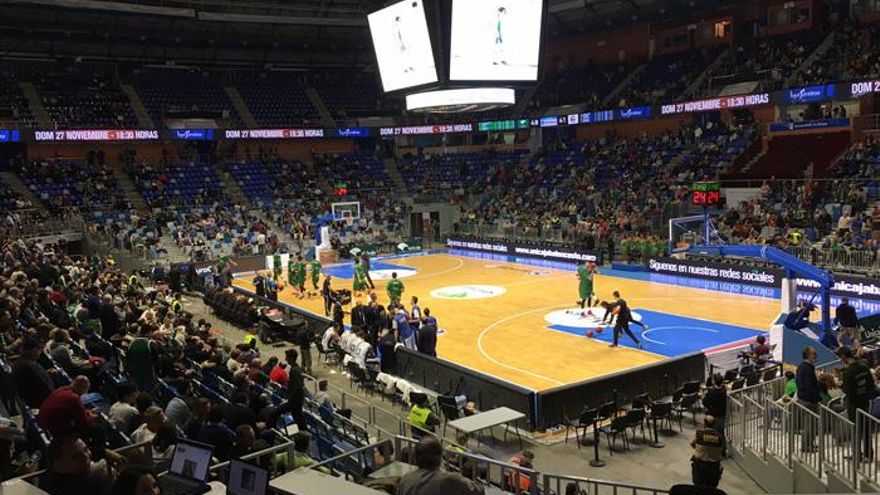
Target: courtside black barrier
(447, 378)
(657, 380)
(541, 250)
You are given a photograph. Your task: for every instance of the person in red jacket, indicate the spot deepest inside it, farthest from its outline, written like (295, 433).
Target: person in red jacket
(62, 411)
(279, 374)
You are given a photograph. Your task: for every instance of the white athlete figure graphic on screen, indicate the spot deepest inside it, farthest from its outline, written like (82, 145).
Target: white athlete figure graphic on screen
(499, 57)
(398, 38)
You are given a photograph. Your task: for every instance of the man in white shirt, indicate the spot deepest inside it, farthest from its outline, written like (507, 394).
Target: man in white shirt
(344, 341)
(330, 339)
(121, 412)
(154, 419)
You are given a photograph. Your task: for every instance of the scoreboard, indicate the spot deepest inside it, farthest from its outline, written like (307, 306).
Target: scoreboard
(706, 193)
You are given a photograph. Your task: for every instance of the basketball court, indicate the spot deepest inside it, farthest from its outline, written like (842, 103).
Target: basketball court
(517, 319)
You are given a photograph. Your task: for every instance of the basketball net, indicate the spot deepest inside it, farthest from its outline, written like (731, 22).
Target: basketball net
(348, 219)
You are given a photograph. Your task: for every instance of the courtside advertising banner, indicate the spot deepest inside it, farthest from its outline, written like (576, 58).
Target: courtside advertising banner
(844, 285)
(526, 250)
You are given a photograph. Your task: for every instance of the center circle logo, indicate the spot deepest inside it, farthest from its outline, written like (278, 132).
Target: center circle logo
(386, 274)
(462, 292)
(582, 318)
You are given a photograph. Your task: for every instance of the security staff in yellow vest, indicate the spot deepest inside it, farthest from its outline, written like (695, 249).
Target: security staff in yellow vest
(176, 305)
(421, 416)
(250, 340)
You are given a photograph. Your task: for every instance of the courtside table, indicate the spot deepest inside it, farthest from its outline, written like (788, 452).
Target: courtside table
(311, 482)
(487, 419)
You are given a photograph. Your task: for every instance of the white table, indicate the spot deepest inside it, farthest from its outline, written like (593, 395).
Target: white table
(488, 419)
(311, 482)
(395, 469)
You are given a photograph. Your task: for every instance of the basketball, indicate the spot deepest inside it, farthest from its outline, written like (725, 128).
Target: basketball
(599, 329)
(590, 333)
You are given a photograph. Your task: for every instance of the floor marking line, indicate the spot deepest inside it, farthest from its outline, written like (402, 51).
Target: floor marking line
(505, 365)
(442, 272)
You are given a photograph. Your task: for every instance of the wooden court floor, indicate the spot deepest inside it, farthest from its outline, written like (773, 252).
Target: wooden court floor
(507, 337)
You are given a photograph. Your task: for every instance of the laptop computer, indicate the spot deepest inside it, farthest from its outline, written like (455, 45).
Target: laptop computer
(246, 479)
(188, 470)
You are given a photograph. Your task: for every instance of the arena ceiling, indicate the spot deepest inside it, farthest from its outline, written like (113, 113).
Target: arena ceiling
(295, 33)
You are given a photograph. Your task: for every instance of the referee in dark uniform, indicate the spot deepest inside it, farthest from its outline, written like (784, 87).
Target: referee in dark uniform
(365, 260)
(621, 324)
(329, 296)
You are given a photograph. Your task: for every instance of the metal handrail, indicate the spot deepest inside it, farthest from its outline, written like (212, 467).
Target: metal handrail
(120, 450)
(491, 466)
(253, 455)
(553, 483)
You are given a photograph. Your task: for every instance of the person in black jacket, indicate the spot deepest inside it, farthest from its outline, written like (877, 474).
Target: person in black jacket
(859, 387)
(715, 402)
(426, 337)
(846, 316)
(109, 317)
(387, 343)
(296, 392)
(239, 412)
(32, 380)
(808, 396)
(359, 316)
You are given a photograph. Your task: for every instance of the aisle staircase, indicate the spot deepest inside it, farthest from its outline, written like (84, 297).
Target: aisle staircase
(131, 193)
(396, 177)
(694, 89)
(820, 50)
(18, 186)
(318, 102)
(137, 106)
(611, 99)
(241, 107)
(36, 105)
(231, 187)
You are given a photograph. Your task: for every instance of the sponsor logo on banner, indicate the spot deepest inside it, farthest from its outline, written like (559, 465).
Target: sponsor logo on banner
(806, 94)
(549, 122)
(870, 328)
(353, 132)
(634, 113)
(194, 134)
(464, 292)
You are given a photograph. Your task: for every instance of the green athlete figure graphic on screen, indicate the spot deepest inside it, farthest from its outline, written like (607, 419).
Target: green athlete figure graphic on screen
(398, 38)
(500, 14)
